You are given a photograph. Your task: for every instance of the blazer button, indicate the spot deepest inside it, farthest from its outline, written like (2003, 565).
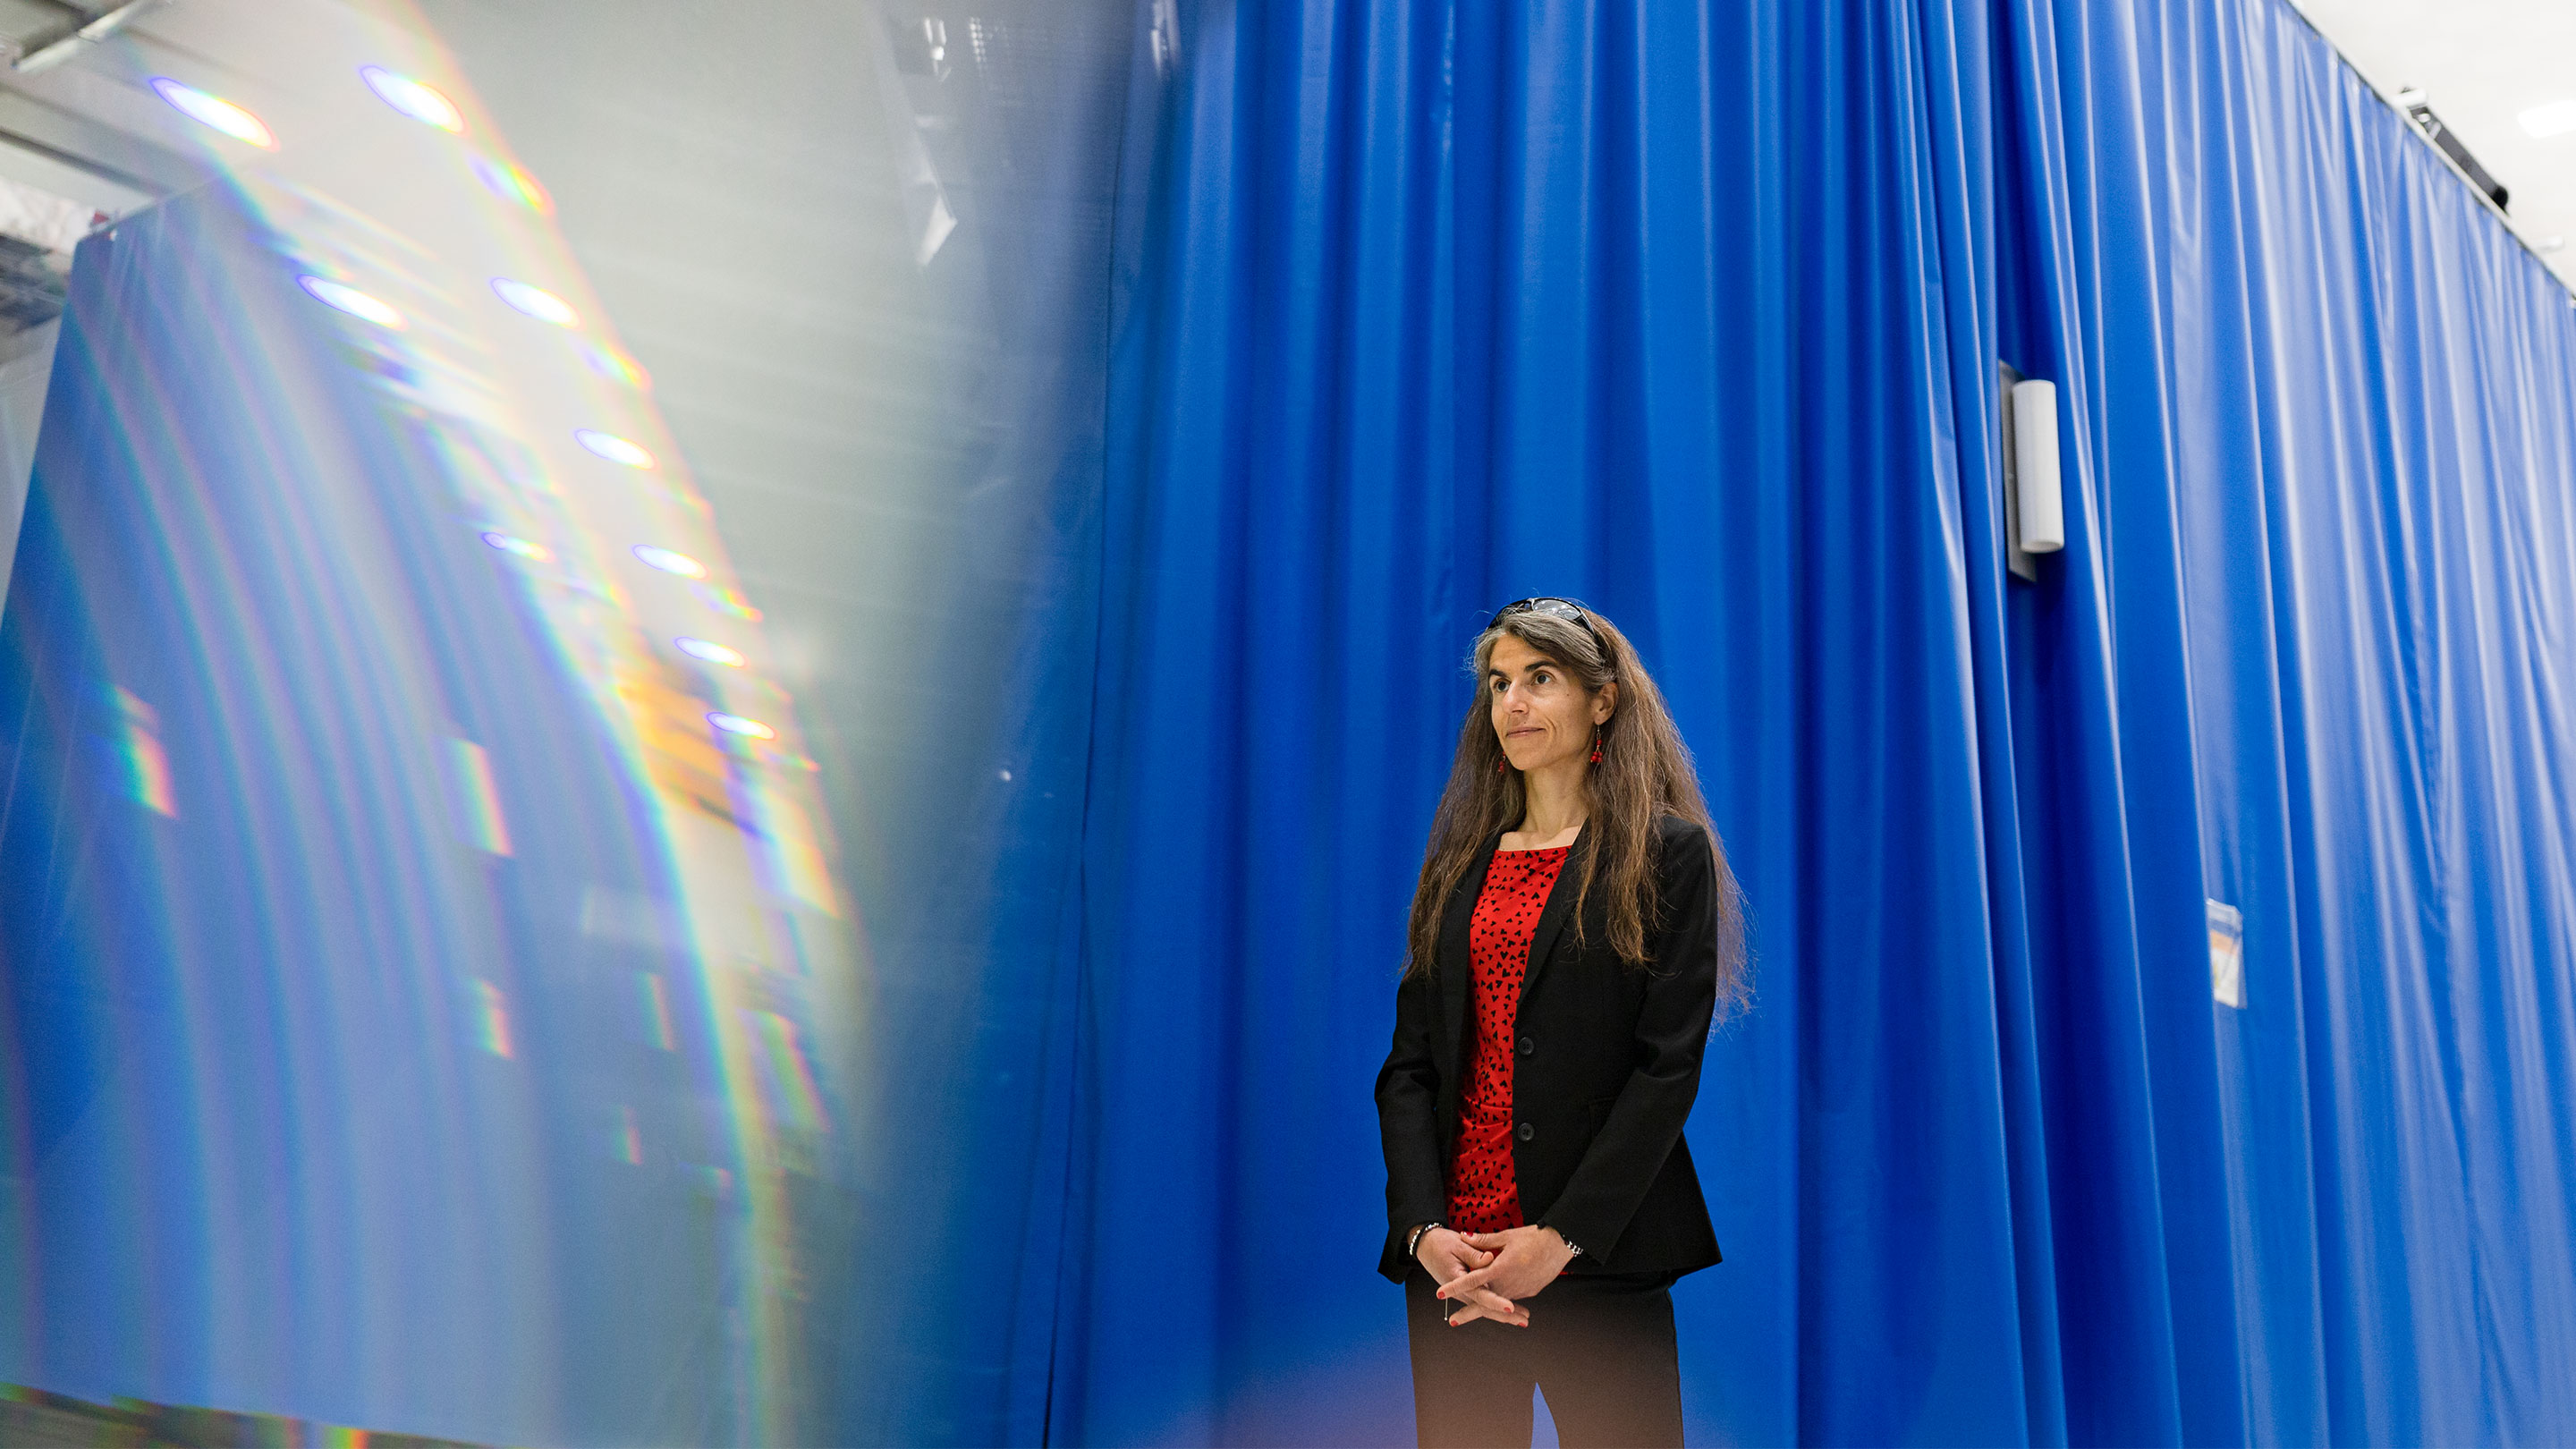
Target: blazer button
(1528, 1046)
(1528, 1132)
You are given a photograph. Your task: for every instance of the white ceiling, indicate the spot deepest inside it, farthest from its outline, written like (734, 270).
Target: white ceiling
(2480, 64)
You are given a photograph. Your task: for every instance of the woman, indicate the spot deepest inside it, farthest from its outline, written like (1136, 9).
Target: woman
(1574, 932)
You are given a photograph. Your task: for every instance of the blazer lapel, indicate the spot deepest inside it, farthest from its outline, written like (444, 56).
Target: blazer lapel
(1551, 917)
(1455, 974)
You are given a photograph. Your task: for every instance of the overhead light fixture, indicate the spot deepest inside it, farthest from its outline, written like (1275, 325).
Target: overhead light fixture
(670, 562)
(734, 724)
(216, 112)
(614, 448)
(349, 299)
(2554, 119)
(533, 552)
(536, 302)
(711, 651)
(422, 103)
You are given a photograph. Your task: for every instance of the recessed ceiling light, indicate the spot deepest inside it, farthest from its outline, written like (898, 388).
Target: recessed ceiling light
(350, 300)
(614, 448)
(711, 651)
(734, 724)
(2554, 119)
(421, 103)
(213, 111)
(537, 302)
(671, 563)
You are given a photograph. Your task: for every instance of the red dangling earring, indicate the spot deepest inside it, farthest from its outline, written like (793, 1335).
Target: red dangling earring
(1596, 744)
(1501, 765)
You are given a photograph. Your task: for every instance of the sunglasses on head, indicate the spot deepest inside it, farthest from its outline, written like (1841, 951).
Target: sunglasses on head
(1565, 609)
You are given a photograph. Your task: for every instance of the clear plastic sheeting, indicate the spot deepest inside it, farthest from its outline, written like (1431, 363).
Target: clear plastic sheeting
(329, 1095)
(335, 692)
(521, 865)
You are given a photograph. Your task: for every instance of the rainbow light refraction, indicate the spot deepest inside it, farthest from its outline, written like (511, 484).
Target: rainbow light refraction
(215, 112)
(388, 235)
(670, 561)
(533, 552)
(615, 366)
(344, 298)
(512, 184)
(478, 801)
(711, 652)
(615, 449)
(535, 301)
(423, 103)
(147, 765)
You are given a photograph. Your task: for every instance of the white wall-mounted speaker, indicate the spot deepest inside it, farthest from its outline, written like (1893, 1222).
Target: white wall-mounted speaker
(2034, 443)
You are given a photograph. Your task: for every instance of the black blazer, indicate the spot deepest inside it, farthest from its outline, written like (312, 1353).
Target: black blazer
(1609, 1062)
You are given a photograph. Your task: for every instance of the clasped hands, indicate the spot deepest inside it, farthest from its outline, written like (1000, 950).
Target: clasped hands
(1487, 1274)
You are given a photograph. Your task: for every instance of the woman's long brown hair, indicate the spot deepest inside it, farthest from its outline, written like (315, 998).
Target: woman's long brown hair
(1645, 774)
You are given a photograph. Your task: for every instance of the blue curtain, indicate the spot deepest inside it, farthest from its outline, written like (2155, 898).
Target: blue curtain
(1694, 311)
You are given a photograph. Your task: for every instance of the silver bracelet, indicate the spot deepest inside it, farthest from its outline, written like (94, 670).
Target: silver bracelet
(1413, 1243)
(1571, 1245)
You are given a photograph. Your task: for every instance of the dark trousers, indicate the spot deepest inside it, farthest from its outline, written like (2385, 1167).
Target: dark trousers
(1600, 1345)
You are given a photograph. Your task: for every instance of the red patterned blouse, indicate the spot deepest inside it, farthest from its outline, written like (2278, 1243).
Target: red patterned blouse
(1484, 1196)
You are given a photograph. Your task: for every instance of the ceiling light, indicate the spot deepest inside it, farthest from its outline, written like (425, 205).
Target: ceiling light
(537, 302)
(510, 183)
(614, 448)
(533, 552)
(350, 300)
(2555, 119)
(671, 563)
(734, 724)
(712, 652)
(420, 102)
(223, 115)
